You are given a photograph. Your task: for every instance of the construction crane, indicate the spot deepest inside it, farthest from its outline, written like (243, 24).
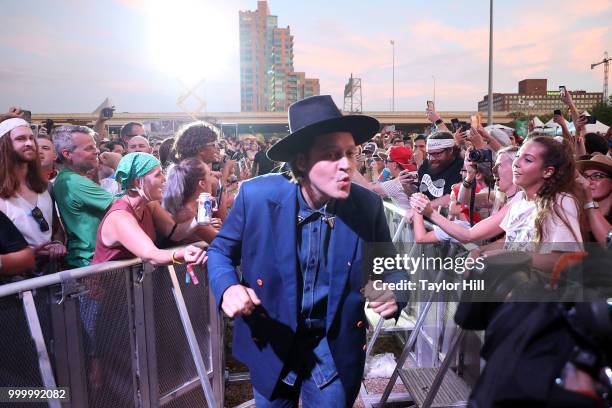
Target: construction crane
(606, 62)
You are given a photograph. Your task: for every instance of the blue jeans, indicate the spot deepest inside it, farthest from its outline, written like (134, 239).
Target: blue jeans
(285, 396)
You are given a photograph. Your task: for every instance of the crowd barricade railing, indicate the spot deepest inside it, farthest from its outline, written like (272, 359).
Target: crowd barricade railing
(116, 334)
(435, 343)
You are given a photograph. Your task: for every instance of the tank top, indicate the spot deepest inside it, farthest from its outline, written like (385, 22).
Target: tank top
(19, 211)
(104, 253)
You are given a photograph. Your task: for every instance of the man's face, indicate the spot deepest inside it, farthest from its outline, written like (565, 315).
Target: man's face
(118, 149)
(24, 144)
(329, 165)
(84, 157)
(393, 167)
(439, 159)
(136, 130)
(420, 145)
(210, 153)
(46, 152)
(138, 144)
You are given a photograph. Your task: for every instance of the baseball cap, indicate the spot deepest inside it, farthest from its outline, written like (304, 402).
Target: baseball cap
(402, 155)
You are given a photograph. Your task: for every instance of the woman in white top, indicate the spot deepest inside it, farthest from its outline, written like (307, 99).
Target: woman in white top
(545, 211)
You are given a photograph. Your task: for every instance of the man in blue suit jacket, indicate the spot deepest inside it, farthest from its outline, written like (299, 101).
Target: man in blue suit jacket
(298, 301)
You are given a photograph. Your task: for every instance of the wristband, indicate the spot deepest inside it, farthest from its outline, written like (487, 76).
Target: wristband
(467, 184)
(591, 204)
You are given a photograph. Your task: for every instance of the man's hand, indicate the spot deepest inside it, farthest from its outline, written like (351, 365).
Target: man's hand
(53, 250)
(567, 99)
(421, 204)
(432, 115)
(476, 138)
(239, 300)
(407, 177)
(381, 301)
(559, 120)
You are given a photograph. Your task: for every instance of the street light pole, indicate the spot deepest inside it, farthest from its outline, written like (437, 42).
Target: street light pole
(393, 78)
(490, 104)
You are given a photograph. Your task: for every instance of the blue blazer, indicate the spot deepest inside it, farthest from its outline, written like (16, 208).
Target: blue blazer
(260, 235)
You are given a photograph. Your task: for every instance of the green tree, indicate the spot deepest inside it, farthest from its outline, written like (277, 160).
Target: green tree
(603, 113)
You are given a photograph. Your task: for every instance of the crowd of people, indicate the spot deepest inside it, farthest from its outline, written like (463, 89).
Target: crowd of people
(70, 197)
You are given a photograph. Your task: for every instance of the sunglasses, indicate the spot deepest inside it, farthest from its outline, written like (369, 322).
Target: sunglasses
(40, 219)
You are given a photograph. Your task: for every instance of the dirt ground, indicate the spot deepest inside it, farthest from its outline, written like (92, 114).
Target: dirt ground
(238, 393)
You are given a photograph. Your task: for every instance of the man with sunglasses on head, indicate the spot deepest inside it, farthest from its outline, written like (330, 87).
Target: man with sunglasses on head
(441, 169)
(24, 197)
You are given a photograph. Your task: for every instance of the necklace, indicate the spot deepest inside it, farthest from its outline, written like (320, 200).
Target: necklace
(510, 197)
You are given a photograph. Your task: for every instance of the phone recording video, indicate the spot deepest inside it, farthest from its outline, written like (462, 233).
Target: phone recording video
(562, 90)
(430, 105)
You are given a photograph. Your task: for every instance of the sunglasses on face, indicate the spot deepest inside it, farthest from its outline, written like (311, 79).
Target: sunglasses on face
(40, 219)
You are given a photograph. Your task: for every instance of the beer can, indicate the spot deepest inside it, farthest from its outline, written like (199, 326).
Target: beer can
(205, 209)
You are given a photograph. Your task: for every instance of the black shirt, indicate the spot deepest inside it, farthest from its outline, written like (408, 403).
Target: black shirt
(11, 239)
(264, 165)
(435, 186)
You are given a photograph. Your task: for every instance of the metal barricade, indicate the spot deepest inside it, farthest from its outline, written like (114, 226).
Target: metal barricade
(438, 343)
(117, 334)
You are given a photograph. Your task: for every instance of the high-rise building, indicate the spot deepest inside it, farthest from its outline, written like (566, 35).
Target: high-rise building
(532, 96)
(267, 78)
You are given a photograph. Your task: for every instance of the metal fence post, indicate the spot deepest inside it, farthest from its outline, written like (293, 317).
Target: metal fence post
(217, 335)
(46, 373)
(191, 339)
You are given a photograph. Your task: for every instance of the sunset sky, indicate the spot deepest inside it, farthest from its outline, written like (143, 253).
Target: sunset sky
(68, 55)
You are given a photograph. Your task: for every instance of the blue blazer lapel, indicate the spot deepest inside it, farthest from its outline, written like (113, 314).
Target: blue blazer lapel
(342, 247)
(283, 222)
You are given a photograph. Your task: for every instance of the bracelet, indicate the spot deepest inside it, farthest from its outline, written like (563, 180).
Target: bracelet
(438, 122)
(174, 260)
(591, 205)
(467, 184)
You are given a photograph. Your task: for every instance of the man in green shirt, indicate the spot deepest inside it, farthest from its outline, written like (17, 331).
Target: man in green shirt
(81, 202)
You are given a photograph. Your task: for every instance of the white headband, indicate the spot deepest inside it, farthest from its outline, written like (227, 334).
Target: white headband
(433, 144)
(10, 124)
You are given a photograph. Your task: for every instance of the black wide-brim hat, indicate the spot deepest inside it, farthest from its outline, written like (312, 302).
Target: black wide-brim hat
(318, 115)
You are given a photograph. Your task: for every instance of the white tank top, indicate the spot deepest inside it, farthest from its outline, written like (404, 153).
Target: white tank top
(19, 211)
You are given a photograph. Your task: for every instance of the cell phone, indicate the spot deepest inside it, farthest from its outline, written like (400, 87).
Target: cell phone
(591, 120)
(465, 126)
(455, 124)
(389, 128)
(562, 90)
(26, 115)
(49, 125)
(430, 105)
(107, 112)
(557, 112)
(216, 166)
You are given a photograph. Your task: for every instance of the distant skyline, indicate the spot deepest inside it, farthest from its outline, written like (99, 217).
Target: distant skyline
(67, 56)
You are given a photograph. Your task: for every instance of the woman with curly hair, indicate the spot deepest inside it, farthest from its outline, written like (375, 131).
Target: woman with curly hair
(545, 211)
